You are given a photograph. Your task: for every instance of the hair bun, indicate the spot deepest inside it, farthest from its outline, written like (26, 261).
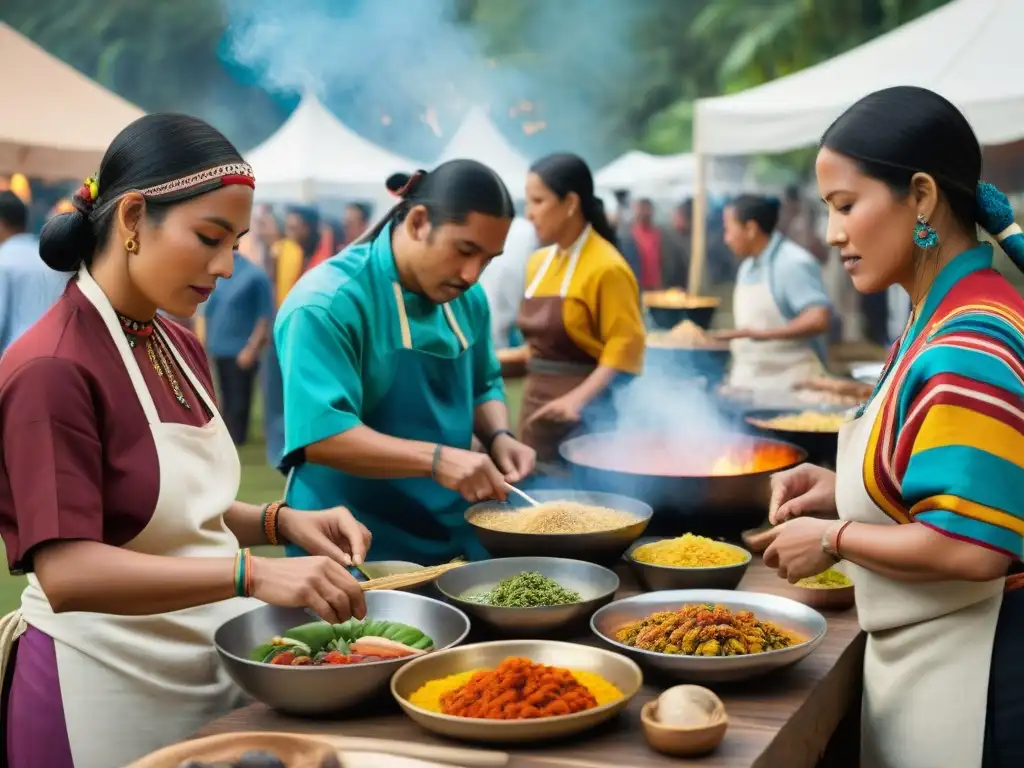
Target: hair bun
(403, 185)
(995, 216)
(66, 240)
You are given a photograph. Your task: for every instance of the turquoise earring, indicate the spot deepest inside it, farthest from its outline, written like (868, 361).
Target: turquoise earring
(925, 235)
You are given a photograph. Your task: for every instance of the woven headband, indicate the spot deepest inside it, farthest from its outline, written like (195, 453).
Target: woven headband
(222, 175)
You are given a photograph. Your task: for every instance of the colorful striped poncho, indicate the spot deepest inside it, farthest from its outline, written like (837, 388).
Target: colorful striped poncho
(947, 447)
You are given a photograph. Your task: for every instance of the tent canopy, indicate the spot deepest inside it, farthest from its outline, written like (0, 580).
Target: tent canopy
(968, 51)
(57, 123)
(313, 155)
(671, 176)
(477, 138)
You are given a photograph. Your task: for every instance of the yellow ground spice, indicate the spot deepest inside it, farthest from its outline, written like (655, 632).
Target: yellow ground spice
(554, 517)
(428, 696)
(689, 551)
(830, 579)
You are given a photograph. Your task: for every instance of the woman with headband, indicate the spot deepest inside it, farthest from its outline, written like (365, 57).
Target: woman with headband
(581, 315)
(927, 503)
(119, 478)
(389, 371)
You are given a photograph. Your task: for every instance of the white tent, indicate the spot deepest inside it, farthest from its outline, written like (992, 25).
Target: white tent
(313, 155)
(56, 122)
(669, 176)
(968, 50)
(477, 138)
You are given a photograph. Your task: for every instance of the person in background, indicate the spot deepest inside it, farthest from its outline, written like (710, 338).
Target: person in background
(331, 241)
(780, 307)
(926, 508)
(504, 282)
(264, 236)
(677, 242)
(302, 229)
(28, 288)
(580, 315)
(119, 481)
(389, 371)
(355, 223)
(237, 322)
(643, 246)
(797, 222)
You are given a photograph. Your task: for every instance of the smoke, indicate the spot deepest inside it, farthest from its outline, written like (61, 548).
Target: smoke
(404, 72)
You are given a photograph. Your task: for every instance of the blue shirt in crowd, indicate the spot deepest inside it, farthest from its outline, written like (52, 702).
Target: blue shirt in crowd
(28, 288)
(234, 309)
(794, 278)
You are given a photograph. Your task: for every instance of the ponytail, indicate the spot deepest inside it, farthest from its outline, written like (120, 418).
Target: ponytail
(593, 212)
(995, 216)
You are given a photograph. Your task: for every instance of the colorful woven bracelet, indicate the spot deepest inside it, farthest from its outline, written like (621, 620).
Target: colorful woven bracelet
(242, 575)
(270, 529)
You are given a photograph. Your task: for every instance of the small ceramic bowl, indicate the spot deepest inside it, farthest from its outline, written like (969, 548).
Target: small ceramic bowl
(679, 741)
(824, 598)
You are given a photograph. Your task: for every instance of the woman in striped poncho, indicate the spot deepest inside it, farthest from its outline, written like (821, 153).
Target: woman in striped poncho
(929, 492)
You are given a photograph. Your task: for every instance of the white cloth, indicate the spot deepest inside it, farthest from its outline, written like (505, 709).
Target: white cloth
(929, 648)
(504, 280)
(132, 684)
(766, 365)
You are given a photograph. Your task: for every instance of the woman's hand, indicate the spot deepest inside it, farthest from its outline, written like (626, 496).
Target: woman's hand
(515, 459)
(795, 550)
(729, 335)
(803, 490)
(564, 410)
(333, 533)
(317, 583)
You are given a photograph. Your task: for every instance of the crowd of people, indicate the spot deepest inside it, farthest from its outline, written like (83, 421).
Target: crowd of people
(119, 476)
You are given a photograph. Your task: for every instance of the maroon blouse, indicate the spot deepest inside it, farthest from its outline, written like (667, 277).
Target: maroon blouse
(78, 460)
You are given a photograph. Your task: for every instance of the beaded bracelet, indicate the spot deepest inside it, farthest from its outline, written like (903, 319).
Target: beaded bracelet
(243, 573)
(269, 521)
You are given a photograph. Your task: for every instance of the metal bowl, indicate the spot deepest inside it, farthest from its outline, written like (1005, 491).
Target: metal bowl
(710, 505)
(599, 547)
(660, 577)
(788, 614)
(623, 673)
(328, 689)
(821, 447)
(596, 585)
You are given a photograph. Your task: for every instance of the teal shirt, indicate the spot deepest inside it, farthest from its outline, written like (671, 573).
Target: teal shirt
(338, 327)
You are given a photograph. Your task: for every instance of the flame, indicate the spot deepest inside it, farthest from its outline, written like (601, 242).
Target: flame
(760, 457)
(19, 185)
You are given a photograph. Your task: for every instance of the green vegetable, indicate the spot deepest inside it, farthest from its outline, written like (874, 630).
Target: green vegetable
(527, 590)
(316, 634)
(423, 644)
(259, 653)
(346, 631)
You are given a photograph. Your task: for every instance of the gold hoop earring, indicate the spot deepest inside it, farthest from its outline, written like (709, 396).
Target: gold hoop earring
(131, 245)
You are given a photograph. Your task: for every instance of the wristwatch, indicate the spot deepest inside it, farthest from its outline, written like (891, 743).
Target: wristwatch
(495, 435)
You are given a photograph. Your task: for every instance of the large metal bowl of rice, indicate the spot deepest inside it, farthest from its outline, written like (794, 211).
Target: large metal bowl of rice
(579, 525)
(687, 562)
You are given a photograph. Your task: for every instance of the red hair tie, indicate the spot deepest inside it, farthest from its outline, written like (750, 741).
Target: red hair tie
(410, 186)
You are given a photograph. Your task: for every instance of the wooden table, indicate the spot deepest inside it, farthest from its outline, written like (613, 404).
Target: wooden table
(784, 720)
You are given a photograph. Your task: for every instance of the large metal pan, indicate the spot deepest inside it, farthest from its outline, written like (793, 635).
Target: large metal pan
(821, 447)
(718, 505)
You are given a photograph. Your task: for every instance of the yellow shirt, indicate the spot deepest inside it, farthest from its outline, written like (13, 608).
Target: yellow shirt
(288, 257)
(601, 311)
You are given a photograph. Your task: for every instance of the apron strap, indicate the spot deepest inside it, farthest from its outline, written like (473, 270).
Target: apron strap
(92, 291)
(197, 385)
(574, 258)
(406, 329)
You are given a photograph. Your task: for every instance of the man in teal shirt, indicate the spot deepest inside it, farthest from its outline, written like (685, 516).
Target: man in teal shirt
(389, 371)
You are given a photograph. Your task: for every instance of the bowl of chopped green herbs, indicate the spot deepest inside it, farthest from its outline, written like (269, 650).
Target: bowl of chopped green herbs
(529, 596)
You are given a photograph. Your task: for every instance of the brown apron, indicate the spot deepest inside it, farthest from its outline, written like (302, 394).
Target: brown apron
(556, 365)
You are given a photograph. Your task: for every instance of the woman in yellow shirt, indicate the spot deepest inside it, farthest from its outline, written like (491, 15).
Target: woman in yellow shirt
(580, 316)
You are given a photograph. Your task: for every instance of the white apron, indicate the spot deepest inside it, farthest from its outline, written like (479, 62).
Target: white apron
(929, 647)
(772, 365)
(132, 684)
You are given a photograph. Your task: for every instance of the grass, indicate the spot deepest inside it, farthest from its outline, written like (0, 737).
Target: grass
(259, 485)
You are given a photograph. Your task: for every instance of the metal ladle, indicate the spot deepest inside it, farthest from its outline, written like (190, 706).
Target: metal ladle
(522, 494)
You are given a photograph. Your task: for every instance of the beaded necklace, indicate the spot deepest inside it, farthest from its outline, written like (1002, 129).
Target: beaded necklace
(160, 357)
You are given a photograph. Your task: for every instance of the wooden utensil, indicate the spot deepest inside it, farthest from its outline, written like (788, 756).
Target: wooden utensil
(407, 580)
(470, 758)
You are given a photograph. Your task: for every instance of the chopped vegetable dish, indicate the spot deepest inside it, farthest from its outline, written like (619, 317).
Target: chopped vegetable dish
(529, 589)
(354, 642)
(704, 630)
